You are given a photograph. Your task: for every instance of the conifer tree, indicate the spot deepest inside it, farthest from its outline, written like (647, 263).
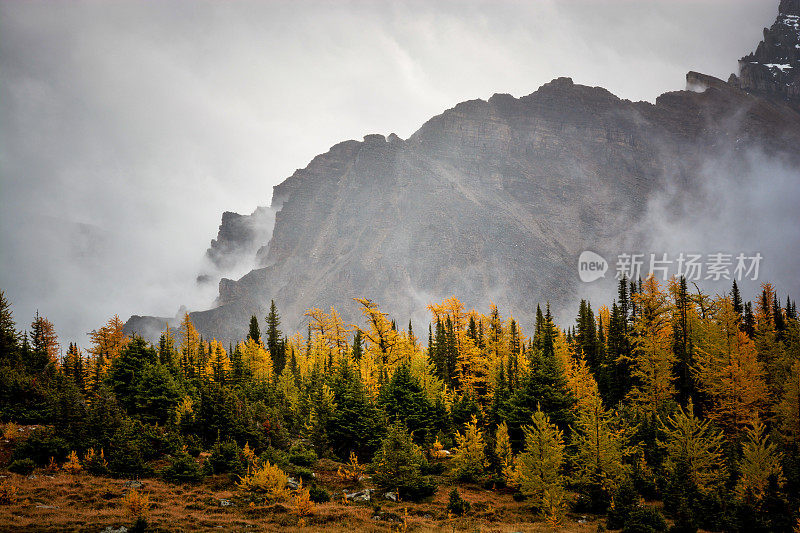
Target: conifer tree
(355, 425)
(358, 342)
(694, 451)
(599, 456)
(503, 452)
(682, 319)
(256, 361)
(9, 338)
(398, 465)
(514, 353)
(277, 349)
(538, 328)
(788, 409)
(749, 320)
(219, 363)
(44, 344)
(728, 369)
(126, 369)
(254, 332)
(779, 319)
(539, 466)
(469, 461)
(190, 347)
(544, 385)
(404, 399)
(618, 355)
(653, 359)
(760, 461)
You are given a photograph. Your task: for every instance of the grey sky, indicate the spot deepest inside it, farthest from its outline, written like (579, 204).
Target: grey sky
(127, 128)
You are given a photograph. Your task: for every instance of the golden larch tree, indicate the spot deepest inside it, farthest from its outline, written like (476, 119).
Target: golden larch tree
(653, 359)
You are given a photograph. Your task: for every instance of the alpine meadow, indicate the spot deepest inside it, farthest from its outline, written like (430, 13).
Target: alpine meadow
(565, 311)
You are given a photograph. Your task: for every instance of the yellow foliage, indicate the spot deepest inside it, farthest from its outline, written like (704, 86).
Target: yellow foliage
(268, 480)
(218, 366)
(381, 339)
(303, 506)
(256, 359)
(73, 465)
(470, 461)
(788, 410)
(502, 450)
(8, 493)
(136, 504)
(184, 408)
(692, 442)
(582, 384)
(107, 343)
(728, 369)
(93, 457)
(10, 431)
(352, 471)
(760, 461)
(331, 329)
(52, 466)
(653, 359)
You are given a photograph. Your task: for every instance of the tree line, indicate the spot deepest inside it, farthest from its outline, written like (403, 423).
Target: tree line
(668, 393)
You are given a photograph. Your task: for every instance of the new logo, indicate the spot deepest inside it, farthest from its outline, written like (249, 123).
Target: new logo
(591, 266)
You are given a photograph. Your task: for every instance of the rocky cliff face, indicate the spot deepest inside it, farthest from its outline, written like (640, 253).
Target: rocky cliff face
(491, 200)
(774, 68)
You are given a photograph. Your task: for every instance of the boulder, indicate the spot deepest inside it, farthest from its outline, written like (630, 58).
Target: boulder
(358, 496)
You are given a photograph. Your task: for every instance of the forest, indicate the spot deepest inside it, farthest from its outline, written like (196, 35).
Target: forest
(667, 409)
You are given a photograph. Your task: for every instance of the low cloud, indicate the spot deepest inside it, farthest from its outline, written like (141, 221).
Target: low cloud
(129, 127)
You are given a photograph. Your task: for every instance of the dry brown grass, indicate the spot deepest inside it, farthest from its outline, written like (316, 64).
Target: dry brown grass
(89, 503)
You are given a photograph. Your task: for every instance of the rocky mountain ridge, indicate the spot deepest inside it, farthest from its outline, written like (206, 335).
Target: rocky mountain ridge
(773, 70)
(492, 200)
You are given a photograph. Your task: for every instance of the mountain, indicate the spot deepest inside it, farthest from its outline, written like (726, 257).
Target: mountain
(495, 199)
(773, 70)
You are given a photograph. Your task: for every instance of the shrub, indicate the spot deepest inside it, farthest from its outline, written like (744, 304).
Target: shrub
(194, 446)
(73, 465)
(302, 456)
(303, 505)
(22, 466)
(319, 495)
(645, 520)
(267, 480)
(457, 505)
(183, 469)
(684, 520)
(432, 469)
(398, 465)
(470, 462)
(352, 471)
(41, 445)
(306, 474)
(95, 463)
(136, 504)
(8, 494)
(624, 502)
(10, 431)
(226, 457)
(275, 456)
(127, 458)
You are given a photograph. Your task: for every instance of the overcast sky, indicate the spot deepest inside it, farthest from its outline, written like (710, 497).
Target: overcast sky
(127, 128)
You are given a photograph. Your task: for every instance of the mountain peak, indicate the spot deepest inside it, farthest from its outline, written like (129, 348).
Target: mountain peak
(773, 70)
(789, 7)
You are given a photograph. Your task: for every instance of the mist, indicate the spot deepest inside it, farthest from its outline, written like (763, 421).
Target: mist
(127, 128)
(744, 203)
